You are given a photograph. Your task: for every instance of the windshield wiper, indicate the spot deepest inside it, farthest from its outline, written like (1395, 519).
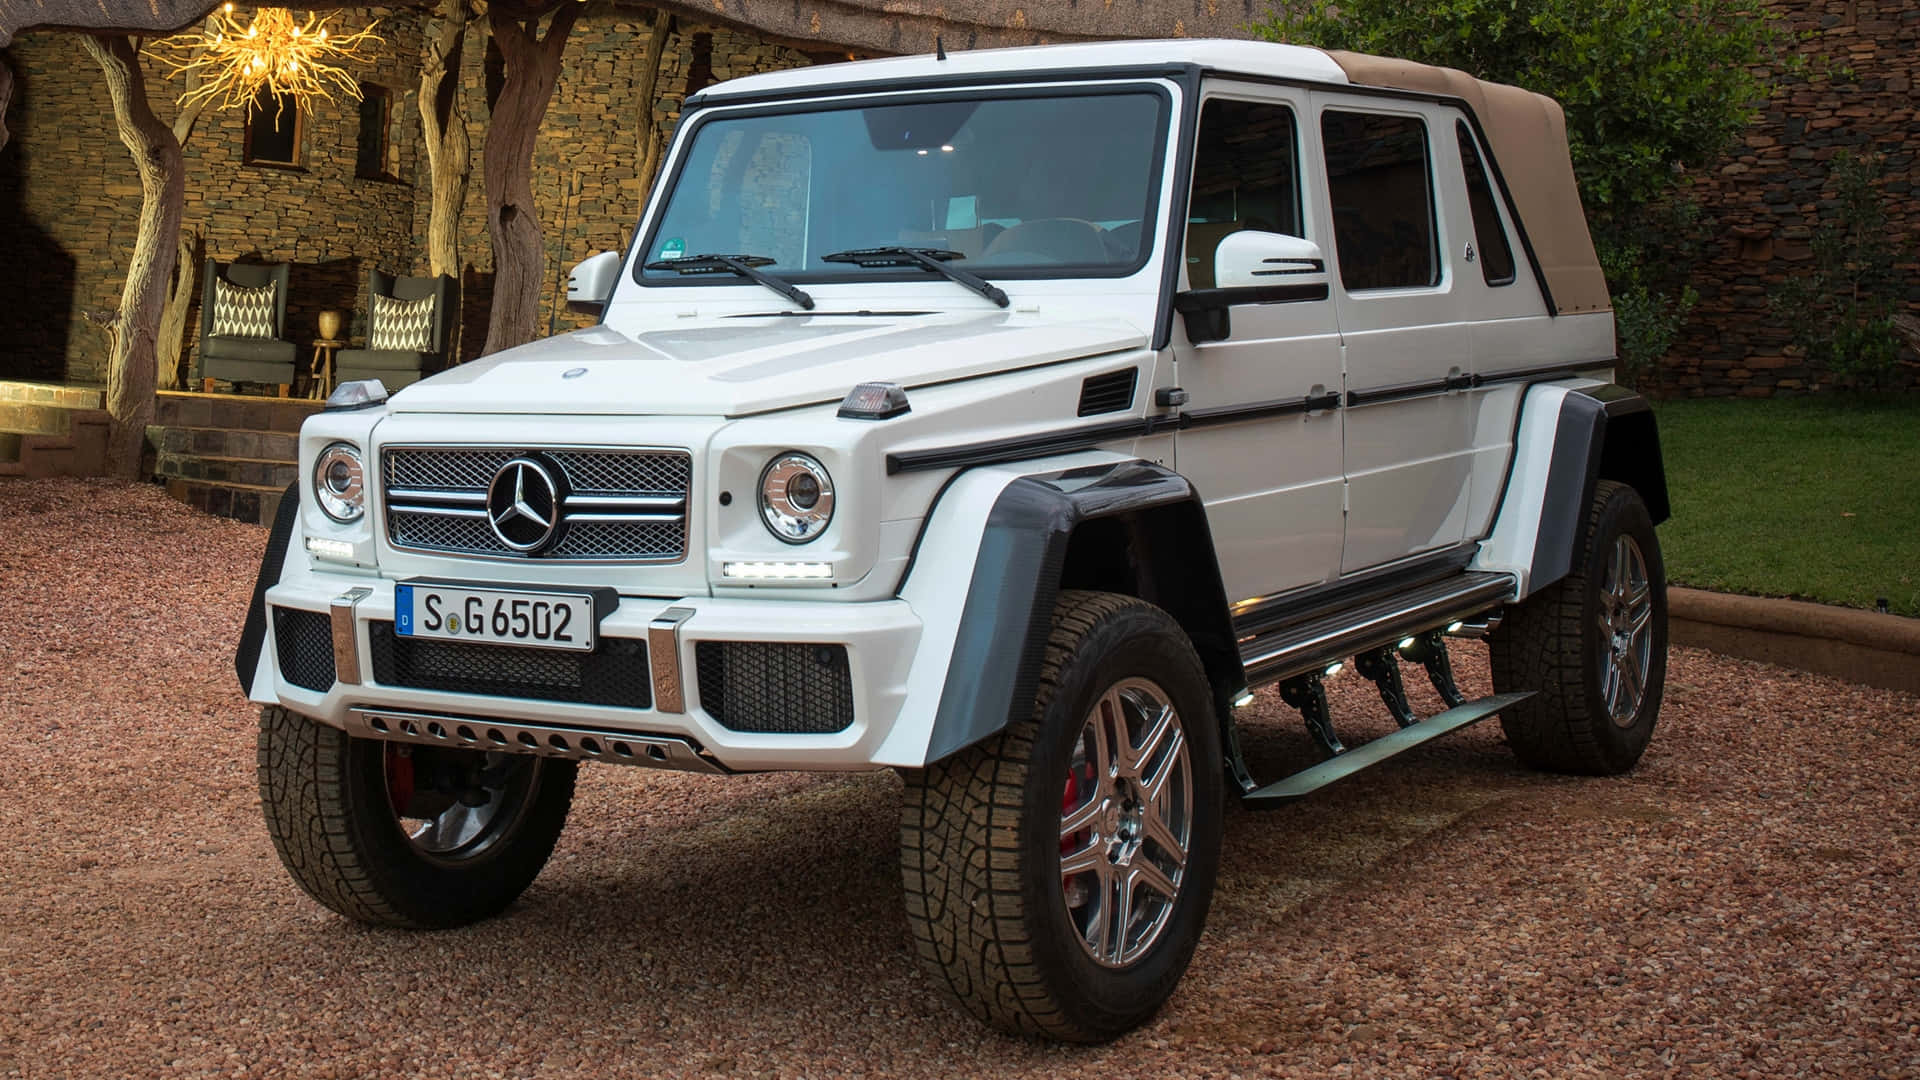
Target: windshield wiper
(934, 259)
(742, 265)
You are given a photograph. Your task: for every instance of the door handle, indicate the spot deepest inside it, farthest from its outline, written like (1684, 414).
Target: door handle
(1328, 400)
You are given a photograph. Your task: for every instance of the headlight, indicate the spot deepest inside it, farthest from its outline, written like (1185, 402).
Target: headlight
(796, 498)
(339, 483)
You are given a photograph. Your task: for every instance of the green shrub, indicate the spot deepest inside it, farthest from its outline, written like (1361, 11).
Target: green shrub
(1651, 88)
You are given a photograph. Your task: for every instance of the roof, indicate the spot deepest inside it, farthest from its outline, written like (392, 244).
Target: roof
(1526, 133)
(1253, 57)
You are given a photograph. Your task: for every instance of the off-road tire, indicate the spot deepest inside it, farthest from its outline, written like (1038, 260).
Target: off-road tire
(325, 799)
(1551, 644)
(980, 839)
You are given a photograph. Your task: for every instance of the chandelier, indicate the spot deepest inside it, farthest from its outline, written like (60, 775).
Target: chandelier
(274, 52)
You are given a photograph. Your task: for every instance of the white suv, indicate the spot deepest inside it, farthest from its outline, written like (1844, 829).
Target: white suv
(1002, 418)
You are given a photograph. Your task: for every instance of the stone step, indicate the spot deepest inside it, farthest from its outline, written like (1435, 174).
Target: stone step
(55, 394)
(262, 472)
(78, 450)
(237, 411)
(23, 418)
(224, 443)
(255, 503)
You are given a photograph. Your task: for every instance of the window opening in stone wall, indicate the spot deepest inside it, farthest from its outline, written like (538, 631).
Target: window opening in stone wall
(1246, 175)
(373, 158)
(1496, 255)
(1381, 185)
(272, 129)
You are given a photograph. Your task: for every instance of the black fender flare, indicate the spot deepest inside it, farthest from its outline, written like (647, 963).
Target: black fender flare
(1604, 433)
(253, 634)
(994, 671)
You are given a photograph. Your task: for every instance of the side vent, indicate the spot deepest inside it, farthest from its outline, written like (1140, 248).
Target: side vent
(1112, 392)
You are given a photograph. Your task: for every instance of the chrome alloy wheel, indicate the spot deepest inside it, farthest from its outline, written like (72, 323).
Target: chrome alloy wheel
(446, 827)
(1626, 628)
(1125, 822)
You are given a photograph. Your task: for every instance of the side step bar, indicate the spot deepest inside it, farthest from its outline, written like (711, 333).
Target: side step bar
(1299, 649)
(1312, 779)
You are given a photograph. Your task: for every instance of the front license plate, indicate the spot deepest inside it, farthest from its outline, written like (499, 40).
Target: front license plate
(547, 620)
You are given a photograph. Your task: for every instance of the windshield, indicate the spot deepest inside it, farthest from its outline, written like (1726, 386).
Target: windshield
(1045, 184)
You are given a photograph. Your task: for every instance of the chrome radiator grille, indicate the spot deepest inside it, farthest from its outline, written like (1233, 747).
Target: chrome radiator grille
(613, 505)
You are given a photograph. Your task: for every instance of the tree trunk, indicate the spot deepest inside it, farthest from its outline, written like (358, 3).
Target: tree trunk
(444, 127)
(173, 318)
(156, 153)
(6, 98)
(513, 221)
(651, 138)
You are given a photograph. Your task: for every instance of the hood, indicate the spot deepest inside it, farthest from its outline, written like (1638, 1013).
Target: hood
(752, 365)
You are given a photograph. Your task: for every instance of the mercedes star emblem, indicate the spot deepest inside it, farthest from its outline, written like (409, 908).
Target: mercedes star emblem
(523, 505)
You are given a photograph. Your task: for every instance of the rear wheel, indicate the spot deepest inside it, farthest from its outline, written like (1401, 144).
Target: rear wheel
(1059, 874)
(1593, 646)
(400, 835)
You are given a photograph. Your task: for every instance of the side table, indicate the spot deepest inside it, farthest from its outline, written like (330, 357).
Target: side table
(320, 378)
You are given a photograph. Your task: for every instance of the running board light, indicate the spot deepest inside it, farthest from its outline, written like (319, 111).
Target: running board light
(338, 550)
(1245, 699)
(1333, 669)
(776, 571)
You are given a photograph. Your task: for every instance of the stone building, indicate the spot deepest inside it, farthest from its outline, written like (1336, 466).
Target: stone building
(354, 192)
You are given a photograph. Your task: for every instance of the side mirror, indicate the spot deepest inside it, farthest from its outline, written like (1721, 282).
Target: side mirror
(1252, 268)
(1249, 258)
(591, 282)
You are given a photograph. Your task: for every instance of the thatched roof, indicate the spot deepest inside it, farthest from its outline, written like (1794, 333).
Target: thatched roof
(869, 26)
(909, 26)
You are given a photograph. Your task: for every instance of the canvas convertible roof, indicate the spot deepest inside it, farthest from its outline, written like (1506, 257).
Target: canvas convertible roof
(1527, 136)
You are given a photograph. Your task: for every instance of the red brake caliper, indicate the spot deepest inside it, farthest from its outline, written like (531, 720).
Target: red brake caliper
(399, 780)
(1068, 800)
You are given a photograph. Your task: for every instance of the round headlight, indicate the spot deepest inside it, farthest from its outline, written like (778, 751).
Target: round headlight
(339, 483)
(796, 498)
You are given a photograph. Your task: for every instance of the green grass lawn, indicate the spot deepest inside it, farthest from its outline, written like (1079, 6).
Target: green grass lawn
(1814, 498)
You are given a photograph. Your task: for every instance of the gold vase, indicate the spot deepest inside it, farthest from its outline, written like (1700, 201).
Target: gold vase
(330, 325)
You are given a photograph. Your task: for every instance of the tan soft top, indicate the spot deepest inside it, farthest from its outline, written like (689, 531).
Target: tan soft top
(1527, 136)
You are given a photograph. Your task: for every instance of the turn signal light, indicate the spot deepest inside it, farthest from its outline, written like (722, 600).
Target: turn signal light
(874, 401)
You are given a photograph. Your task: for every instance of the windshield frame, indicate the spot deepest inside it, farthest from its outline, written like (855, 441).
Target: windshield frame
(722, 110)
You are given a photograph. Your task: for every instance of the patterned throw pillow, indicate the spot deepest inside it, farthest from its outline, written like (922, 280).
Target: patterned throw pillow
(242, 312)
(405, 325)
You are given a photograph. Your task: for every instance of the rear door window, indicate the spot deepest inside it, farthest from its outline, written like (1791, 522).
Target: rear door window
(1380, 184)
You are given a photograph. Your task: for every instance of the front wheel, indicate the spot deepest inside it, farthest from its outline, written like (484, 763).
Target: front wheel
(392, 834)
(1593, 647)
(1058, 875)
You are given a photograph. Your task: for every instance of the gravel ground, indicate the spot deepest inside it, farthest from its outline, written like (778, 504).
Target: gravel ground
(1744, 904)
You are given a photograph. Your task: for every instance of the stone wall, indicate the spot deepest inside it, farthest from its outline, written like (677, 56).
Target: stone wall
(69, 195)
(70, 198)
(1856, 92)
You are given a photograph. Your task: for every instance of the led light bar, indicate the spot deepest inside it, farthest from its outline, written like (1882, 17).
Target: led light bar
(777, 571)
(329, 549)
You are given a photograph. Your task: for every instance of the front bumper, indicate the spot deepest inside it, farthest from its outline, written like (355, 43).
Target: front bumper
(881, 640)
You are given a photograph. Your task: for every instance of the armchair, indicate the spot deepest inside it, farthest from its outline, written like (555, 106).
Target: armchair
(407, 323)
(243, 325)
